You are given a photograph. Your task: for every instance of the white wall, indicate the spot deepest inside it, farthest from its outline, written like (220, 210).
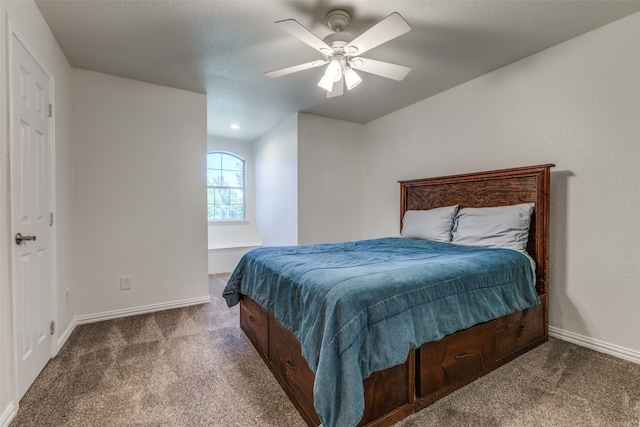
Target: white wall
(309, 181)
(140, 211)
(276, 179)
(229, 240)
(31, 24)
(576, 105)
(330, 180)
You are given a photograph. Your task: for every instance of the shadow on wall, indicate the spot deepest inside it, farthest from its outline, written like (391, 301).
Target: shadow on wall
(562, 309)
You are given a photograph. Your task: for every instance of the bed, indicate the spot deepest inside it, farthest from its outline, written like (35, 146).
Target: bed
(357, 342)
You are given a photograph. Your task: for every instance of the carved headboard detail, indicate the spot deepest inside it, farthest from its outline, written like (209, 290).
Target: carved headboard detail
(492, 188)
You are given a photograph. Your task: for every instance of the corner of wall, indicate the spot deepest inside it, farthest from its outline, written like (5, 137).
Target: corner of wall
(276, 178)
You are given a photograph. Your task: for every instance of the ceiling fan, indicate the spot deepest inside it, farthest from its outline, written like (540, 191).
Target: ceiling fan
(342, 57)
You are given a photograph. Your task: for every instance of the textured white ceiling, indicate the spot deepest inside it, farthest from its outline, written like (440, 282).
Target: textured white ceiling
(222, 48)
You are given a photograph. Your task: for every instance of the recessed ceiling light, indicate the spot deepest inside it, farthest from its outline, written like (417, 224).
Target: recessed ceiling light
(234, 126)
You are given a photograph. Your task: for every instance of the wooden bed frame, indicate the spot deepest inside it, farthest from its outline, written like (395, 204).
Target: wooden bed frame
(436, 368)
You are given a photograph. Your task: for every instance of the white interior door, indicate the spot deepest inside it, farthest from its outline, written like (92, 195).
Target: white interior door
(30, 164)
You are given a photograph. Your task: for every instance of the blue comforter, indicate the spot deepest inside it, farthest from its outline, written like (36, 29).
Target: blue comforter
(359, 307)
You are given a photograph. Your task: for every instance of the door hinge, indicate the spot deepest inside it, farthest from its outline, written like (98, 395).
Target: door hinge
(50, 110)
(53, 327)
(50, 219)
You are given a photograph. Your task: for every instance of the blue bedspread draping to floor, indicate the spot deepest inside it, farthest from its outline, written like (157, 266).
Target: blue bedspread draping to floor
(359, 307)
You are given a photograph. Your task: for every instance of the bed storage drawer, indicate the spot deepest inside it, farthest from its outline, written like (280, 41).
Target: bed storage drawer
(287, 362)
(455, 361)
(253, 321)
(388, 394)
(516, 331)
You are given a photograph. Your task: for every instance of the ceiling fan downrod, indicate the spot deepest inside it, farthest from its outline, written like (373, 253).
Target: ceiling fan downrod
(337, 20)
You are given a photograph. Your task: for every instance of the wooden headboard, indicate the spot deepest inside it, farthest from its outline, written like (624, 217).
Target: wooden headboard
(493, 188)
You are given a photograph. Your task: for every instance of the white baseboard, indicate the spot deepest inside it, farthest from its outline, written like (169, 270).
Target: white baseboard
(597, 345)
(62, 339)
(125, 312)
(8, 414)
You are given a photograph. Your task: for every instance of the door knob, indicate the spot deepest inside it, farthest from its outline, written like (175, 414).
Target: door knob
(20, 238)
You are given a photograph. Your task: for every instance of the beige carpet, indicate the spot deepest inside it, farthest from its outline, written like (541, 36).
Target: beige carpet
(194, 367)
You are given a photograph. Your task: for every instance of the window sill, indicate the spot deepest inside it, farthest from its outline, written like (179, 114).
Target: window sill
(242, 245)
(230, 222)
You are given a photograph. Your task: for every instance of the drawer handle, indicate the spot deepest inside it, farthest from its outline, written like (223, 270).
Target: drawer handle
(290, 365)
(522, 327)
(463, 355)
(251, 318)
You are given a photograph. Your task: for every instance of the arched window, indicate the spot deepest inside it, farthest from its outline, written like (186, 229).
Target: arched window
(225, 187)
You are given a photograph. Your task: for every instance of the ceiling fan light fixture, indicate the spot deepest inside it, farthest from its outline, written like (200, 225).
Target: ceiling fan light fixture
(351, 78)
(326, 83)
(334, 70)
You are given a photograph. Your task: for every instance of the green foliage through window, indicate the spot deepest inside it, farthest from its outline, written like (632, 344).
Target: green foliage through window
(225, 187)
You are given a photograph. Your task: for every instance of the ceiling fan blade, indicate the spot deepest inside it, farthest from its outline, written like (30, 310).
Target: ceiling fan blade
(389, 28)
(296, 29)
(381, 68)
(338, 89)
(295, 68)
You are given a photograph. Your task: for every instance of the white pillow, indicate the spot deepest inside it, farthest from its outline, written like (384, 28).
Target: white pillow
(496, 227)
(431, 224)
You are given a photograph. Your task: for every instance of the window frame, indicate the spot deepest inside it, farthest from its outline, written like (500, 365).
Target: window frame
(244, 218)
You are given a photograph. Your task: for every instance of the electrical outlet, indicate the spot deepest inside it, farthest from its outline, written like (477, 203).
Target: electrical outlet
(125, 283)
